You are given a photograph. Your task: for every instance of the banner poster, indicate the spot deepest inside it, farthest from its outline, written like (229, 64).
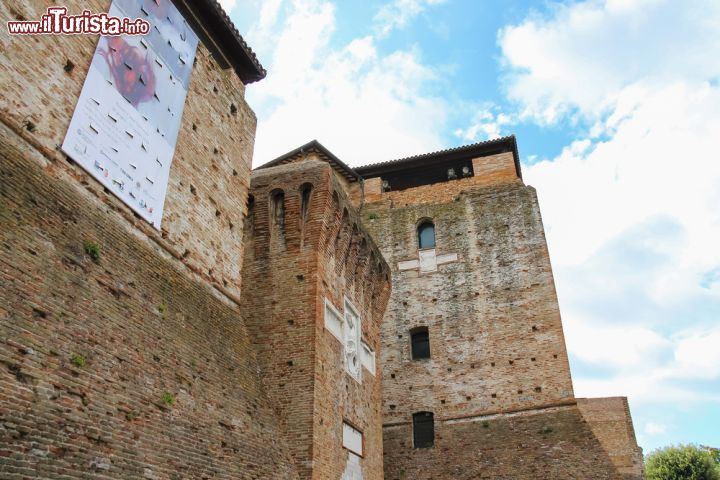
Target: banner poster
(126, 121)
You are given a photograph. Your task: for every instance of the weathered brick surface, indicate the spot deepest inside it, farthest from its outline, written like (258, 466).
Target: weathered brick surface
(92, 352)
(498, 380)
(495, 169)
(205, 202)
(552, 444)
(318, 252)
(495, 333)
(610, 421)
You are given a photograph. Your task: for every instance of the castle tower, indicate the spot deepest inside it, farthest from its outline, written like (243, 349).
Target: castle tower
(316, 290)
(476, 380)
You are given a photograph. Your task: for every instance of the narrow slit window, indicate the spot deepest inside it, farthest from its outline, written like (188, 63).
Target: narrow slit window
(420, 340)
(305, 192)
(423, 430)
(426, 235)
(277, 212)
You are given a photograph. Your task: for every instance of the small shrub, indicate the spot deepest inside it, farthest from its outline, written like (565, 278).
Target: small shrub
(92, 249)
(130, 416)
(162, 308)
(78, 360)
(168, 399)
(372, 215)
(546, 430)
(486, 425)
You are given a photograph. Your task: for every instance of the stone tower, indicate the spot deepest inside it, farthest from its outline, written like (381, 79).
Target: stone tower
(314, 311)
(476, 381)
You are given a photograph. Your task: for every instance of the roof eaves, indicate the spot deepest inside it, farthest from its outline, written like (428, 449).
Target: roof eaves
(407, 161)
(315, 146)
(218, 32)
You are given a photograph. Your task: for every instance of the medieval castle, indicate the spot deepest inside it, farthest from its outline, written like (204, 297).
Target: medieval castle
(302, 320)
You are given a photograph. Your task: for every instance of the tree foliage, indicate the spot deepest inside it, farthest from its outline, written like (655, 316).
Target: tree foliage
(684, 462)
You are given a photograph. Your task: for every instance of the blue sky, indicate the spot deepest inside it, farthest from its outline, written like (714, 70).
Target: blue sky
(616, 107)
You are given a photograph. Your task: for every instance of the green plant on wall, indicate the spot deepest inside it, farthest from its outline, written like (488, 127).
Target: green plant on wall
(92, 249)
(168, 399)
(77, 360)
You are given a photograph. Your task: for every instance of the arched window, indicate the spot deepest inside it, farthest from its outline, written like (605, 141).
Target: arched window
(426, 235)
(423, 430)
(420, 343)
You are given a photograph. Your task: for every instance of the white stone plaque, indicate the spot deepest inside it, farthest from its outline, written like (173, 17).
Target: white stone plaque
(352, 439)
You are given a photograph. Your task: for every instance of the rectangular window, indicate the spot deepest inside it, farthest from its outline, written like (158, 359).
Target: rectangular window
(423, 430)
(420, 339)
(352, 439)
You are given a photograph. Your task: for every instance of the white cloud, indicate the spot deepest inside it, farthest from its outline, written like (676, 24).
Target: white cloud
(487, 123)
(354, 100)
(653, 428)
(588, 52)
(631, 206)
(657, 163)
(645, 365)
(398, 13)
(698, 355)
(623, 347)
(262, 33)
(228, 5)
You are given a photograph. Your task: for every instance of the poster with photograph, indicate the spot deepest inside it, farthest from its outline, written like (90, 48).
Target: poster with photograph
(126, 121)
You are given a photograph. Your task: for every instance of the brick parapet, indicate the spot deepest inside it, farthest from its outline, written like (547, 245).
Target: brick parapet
(548, 444)
(610, 421)
(318, 251)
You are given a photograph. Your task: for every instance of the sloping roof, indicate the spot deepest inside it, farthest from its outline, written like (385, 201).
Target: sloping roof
(489, 147)
(480, 149)
(315, 147)
(214, 27)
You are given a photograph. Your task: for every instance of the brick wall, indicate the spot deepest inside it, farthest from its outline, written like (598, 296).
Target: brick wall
(213, 154)
(130, 366)
(315, 251)
(610, 421)
(137, 365)
(498, 380)
(495, 333)
(495, 169)
(549, 444)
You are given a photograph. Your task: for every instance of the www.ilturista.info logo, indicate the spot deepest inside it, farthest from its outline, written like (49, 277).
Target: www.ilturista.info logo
(57, 22)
